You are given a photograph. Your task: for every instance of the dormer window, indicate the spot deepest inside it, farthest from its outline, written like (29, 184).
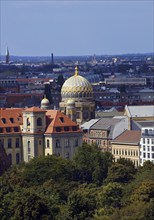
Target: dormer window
(62, 119)
(4, 120)
(12, 120)
(39, 122)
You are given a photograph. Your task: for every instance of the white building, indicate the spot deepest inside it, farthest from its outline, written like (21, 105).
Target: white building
(147, 141)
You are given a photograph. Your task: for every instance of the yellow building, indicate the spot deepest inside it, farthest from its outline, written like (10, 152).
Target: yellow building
(127, 145)
(77, 99)
(33, 132)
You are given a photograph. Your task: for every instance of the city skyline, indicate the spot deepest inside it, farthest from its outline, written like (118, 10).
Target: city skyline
(70, 28)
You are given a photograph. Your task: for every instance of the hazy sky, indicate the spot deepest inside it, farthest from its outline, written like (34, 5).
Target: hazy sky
(76, 27)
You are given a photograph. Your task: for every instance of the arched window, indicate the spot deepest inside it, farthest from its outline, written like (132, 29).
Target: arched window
(48, 143)
(39, 122)
(29, 147)
(28, 122)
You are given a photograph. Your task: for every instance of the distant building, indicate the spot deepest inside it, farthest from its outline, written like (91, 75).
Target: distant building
(139, 113)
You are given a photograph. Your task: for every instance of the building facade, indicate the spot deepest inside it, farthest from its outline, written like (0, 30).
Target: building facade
(103, 131)
(127, 145)
(34, 132)
(147, 141)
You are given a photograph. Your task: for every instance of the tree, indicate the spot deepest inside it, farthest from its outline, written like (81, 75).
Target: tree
(24, 204)
(144, 192)
(122, 171)
(92, 164)
(81, 203)
(110, 195)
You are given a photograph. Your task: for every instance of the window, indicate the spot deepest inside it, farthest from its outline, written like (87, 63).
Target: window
(17, 158)
(48, 143)
(143, 147)
(9, 143)
(58, 143)
(1, 130)
(66, 142)
(12, 120)
(1, 142)
(29, 157)
(152, 141)
(148, 155)
(74, 128)
(152, 155)
(10, 158)
(76, 142)
(143, 140)
(146, 131)
(16, 129)
(28, 122)
(67, 156)
(62, 119)
(148, 141)
(66, 128)
(39, 122)
(8, 129)
(4, 120)
(29, 147)
(152, 148)
(58, 129)
(144, 155)
(17, 142)
(148, 148)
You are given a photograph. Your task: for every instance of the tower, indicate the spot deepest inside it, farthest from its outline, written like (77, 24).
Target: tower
(7, 58)
(34, 124)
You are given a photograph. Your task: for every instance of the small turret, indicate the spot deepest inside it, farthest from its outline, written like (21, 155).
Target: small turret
(45, 104)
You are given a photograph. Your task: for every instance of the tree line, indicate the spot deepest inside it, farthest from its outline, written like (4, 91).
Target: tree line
(91, 186)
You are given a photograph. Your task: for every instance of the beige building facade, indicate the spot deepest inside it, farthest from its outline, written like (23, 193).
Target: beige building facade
(33, 132)
(127, 145)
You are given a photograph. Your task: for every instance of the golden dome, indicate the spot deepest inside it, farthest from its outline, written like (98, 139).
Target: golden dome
(76, 87)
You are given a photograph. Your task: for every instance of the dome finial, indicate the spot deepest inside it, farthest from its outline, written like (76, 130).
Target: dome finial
(76, 71)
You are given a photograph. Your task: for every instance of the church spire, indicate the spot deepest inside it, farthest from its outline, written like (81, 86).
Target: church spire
(7, 55)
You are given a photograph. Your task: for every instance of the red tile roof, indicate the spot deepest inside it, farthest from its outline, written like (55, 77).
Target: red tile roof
(56, 119)
(34, 109)
(128, 137)
(10, 120)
